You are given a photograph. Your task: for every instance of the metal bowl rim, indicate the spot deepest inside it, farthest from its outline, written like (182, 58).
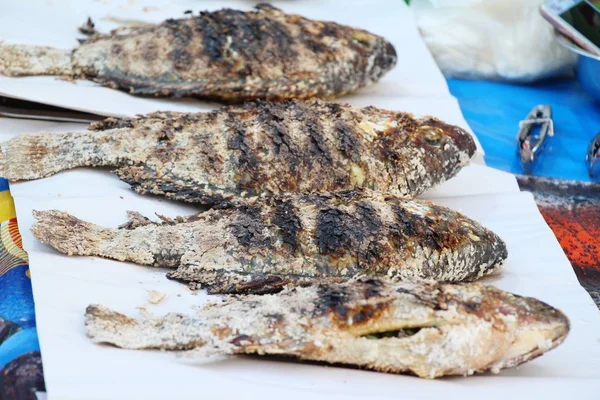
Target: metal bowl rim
(576, 49)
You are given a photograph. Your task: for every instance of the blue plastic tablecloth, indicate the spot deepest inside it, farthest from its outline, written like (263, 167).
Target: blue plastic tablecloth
(493, 111)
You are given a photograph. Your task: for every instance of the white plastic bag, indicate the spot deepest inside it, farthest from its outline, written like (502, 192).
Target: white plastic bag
(491, 39)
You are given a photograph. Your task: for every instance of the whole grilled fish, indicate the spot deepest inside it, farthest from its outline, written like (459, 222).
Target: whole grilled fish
(429, 331)
(257, 147)
(292, 240)
(226, 55)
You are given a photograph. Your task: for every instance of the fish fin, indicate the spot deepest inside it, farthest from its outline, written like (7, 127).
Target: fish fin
(67, 233)
(111, 123)
(116, 123)
(166, 220)
(166, 115)
(269, 9)
(104, 325)
(37, 156)
(171, 331)
(145, 181)
(228, 282)
(27, 60)
(287, 349)
(135, 219)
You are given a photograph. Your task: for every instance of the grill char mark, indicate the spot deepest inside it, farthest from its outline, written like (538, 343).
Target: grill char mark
(340, 232)
(249, 228)
(347, 307)
(249, 174)
(285, 217)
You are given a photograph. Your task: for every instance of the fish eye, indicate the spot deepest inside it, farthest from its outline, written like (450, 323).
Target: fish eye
(431, 134)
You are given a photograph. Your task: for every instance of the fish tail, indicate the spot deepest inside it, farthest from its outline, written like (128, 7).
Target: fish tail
(170, 332)
(68, 234)
(107, 326)
(28, 60)
(37, 156)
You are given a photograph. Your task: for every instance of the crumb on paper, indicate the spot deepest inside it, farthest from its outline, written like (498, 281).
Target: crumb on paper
(178, 294)
(150, 9)
(155, 297)
(144, 311)
(121, 197)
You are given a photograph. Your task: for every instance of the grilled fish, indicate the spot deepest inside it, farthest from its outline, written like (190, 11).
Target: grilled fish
(258, 147)
(430, 331)
(271, 243)
(226, 55)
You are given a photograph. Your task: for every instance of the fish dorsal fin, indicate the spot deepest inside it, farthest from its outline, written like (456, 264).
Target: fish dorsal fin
(135, 220)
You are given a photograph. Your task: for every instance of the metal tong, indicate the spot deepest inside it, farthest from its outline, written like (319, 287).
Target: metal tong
(15, 108)
(532, 141)
(592, 156)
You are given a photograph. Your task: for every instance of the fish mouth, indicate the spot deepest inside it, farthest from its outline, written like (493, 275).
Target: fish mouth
(463, 248)
(558, 336)
(462, 139)
(385, 58)
(488, 255)
(389, 56)
(469, 262)
(540, 328)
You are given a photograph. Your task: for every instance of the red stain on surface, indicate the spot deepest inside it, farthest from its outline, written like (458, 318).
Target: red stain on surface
(572, 210)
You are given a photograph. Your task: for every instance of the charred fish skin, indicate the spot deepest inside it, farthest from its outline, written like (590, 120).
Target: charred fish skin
(427, 330)
(259, 147)
(226, 55)
(266, 245)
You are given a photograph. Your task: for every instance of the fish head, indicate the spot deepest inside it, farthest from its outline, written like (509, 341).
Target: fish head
(537, 327)
(448, 143)
(380, 52)
(429, 151)
(453, 246)
(437, 330)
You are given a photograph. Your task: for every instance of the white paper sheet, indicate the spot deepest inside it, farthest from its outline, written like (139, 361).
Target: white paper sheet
(75, 368)
(54, 23)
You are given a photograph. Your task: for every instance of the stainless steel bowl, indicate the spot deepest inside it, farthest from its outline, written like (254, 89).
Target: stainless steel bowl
(588, 67)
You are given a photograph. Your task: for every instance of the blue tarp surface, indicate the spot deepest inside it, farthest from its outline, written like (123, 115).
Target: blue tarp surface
(493, 111)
